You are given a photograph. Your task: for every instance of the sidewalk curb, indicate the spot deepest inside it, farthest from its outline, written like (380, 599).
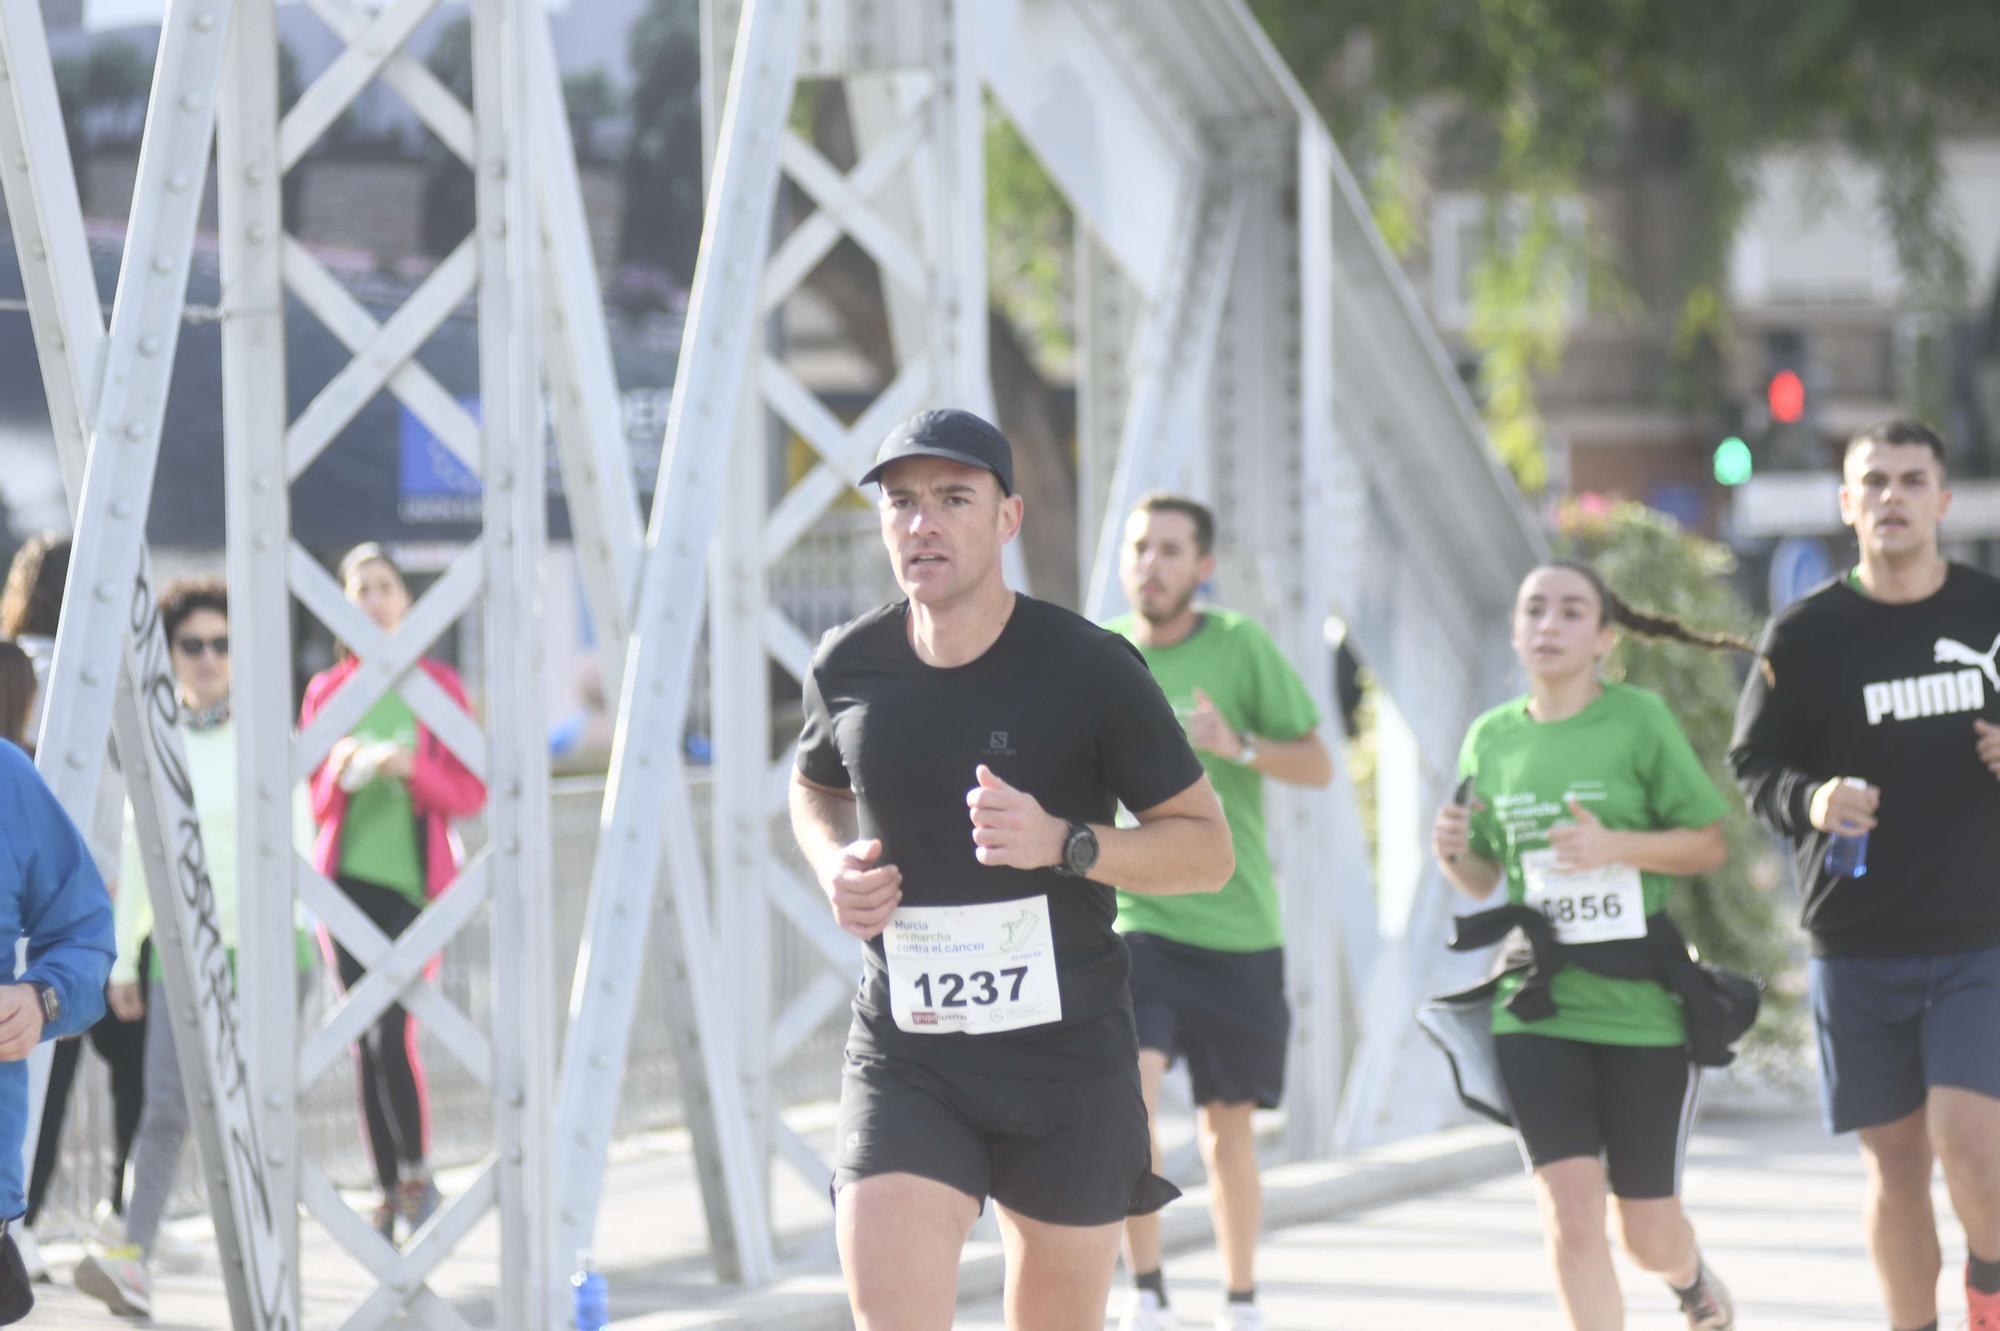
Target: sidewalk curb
(1295, 1194)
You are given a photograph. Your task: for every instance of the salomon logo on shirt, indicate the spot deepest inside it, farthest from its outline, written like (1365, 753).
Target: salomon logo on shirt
(1942, 694)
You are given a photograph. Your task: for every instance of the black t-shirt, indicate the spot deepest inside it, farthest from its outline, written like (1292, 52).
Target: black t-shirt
(1888, 693)
(1058, 708)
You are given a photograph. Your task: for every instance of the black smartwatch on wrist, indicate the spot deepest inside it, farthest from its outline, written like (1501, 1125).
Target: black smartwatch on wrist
(1079, 852)
(50, 1000)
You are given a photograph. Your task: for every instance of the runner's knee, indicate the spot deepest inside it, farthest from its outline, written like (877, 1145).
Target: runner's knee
(1655, 1233)
(1573, 1209)
(1898, 1155)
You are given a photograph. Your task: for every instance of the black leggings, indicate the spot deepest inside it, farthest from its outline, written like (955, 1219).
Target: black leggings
(122, 1045)
(395, 1104)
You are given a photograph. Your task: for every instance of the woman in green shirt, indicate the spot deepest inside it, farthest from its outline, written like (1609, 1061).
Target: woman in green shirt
(1587, 801)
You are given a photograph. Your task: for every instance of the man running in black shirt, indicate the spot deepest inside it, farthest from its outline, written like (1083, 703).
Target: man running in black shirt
(1874, 712)
(963, 755)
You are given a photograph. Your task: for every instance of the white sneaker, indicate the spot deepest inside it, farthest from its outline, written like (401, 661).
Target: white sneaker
(1145, 1312)
(1240, 1317)
(117, 1278)
(36, 1265)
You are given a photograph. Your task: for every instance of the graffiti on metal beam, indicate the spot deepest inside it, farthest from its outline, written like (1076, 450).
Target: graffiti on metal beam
(163, 782)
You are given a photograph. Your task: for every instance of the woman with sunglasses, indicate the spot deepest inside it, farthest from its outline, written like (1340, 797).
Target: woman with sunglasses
(194, 613)
(1586, 801)
(384, 801)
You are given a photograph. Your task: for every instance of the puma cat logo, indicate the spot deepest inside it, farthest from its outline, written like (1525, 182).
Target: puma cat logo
(1019, 930)
(1941, 694)
(1951, 652)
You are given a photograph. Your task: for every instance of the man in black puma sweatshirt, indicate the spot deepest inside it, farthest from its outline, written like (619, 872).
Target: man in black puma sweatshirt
(1876, 709)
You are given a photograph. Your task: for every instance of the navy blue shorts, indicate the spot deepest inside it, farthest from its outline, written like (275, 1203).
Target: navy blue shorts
(1890, 1028)
(1224, 1012)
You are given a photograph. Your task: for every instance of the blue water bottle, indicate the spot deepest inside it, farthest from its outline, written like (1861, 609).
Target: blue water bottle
(1847, 856)
(593, 1296)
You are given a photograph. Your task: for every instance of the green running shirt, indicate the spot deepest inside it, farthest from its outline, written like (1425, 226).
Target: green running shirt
(1234, 661)
(1625, 759)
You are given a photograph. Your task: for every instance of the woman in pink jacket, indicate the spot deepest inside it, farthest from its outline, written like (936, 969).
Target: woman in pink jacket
(384, 801)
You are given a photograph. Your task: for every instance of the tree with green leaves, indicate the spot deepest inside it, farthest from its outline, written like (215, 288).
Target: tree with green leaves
(1551, 94)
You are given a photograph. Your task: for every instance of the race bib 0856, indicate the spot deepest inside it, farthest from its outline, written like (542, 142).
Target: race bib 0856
(1585, 905)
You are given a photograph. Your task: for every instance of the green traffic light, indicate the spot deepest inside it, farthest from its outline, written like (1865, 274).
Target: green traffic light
(1733, 464)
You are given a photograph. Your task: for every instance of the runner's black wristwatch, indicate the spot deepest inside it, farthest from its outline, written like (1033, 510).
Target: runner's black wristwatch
(51, 1001)
(1079, 851)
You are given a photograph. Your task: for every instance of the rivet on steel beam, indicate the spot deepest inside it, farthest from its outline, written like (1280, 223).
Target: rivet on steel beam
(75, 760)
(162, 264)
(254, 173)
(258, 233)
(149, 345)
(178, 182)
(104, 591)
(191, 101)
(204, 22)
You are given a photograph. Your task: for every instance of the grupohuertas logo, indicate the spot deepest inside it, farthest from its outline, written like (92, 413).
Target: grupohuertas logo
(1940, 694)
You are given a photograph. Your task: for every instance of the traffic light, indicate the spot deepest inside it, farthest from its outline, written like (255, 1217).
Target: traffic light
(1785, 395)
(1733, 463)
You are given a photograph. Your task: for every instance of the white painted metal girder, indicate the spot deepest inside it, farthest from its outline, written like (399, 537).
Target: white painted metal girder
(1170, 367)
(91, 380)
(582, 382)
(1121, 153)
(646, 761)
(508, 227)
(258, 512)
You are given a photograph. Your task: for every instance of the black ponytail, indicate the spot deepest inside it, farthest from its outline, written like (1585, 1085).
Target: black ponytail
(1616, 611)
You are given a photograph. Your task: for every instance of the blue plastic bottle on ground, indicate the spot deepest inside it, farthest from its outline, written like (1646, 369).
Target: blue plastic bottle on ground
(1847, 856)
(593, 1296)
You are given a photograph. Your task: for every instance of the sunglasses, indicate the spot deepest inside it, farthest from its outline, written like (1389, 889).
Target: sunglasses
(195, 646)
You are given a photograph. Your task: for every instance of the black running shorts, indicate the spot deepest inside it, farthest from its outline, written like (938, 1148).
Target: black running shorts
(1631, 1107)
(1063, 1152)
(1224, 1012)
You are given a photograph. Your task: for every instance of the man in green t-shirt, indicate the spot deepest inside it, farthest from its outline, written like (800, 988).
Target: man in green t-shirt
(1208, 979)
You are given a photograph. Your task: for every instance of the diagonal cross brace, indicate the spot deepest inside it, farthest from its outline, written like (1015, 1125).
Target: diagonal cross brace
(716, 350)
(90, 379)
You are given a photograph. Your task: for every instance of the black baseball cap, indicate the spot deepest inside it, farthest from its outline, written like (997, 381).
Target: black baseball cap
(949, 433)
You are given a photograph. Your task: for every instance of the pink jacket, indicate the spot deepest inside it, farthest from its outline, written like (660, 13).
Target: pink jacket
(441, 788)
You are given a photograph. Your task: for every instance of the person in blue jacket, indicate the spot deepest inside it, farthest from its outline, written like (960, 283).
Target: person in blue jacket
(51, 895)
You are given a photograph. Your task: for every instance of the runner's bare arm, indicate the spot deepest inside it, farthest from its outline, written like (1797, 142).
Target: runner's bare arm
(862, 891)
(823, 819)
(1297, 762)
(1181, 846)
(1589, 844)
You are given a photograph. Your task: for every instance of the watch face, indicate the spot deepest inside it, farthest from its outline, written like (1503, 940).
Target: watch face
(1080, 852)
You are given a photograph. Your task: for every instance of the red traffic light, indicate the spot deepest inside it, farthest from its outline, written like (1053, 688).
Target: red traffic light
(1786, 397)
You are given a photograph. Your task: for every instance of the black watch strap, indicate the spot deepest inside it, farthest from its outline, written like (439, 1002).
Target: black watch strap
(50, 999)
